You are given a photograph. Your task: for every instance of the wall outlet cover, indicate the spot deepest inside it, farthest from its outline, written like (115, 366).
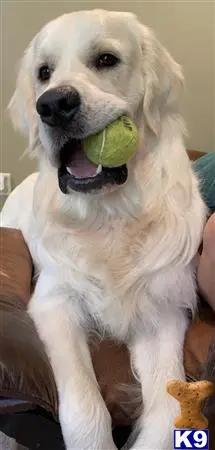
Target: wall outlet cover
(5, 183)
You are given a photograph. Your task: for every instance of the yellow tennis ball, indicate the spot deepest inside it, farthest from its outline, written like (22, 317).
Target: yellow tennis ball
(113, 146)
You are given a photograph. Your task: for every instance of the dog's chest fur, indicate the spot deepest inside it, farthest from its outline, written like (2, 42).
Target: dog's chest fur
(122, 275)
(106, 270)
(112, 262)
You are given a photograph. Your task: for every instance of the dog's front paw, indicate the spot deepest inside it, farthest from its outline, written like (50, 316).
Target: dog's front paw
(80, 445)
(152, 444)
(89, 443)
(86, 426)
(155, 430)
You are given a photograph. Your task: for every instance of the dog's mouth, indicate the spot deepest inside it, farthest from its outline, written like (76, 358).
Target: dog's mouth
(77, 173)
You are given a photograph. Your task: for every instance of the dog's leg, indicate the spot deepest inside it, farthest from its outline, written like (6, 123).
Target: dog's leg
(158, 358)
(84, 418)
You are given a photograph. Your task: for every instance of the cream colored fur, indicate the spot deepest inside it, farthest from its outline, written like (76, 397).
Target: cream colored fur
(122, 260)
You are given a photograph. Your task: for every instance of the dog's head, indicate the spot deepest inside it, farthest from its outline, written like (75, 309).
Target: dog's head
(83, 71)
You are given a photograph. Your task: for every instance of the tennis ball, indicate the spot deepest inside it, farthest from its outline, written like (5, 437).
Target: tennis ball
(113, 146)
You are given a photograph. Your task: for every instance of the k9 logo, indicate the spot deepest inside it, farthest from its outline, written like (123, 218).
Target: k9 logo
(192, 439)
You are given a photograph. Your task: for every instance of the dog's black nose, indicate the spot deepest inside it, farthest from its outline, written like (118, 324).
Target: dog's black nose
(57, 107)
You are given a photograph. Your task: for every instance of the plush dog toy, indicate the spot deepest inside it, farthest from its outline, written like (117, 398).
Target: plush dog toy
(113, 146)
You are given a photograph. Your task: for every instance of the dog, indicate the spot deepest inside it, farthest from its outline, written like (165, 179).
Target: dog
(114, 248)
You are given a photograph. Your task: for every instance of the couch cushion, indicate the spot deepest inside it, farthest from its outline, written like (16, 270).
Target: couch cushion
(16, 265)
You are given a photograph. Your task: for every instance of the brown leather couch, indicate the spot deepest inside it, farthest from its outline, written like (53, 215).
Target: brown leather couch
(28, 396)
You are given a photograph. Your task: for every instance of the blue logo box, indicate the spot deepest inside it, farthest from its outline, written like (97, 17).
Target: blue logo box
(191, 439)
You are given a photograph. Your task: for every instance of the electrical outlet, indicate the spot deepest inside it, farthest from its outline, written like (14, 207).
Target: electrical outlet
(5, 183)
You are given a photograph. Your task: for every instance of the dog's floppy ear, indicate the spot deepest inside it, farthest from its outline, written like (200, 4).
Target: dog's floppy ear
(163, 80)
(22, 104)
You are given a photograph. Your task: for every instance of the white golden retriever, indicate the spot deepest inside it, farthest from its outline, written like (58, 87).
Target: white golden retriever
(114, 248)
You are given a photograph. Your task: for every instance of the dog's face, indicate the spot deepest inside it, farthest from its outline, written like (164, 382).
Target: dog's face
(83, 71)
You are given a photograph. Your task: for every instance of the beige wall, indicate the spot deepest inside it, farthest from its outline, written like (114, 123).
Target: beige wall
(187, 28)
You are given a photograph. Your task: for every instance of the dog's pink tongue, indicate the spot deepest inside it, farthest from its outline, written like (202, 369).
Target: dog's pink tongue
(80, 166)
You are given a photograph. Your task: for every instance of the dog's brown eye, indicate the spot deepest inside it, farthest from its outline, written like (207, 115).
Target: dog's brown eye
(44, 73)
(106, 60)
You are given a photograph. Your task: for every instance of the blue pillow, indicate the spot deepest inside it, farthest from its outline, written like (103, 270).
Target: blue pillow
(205, 169)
